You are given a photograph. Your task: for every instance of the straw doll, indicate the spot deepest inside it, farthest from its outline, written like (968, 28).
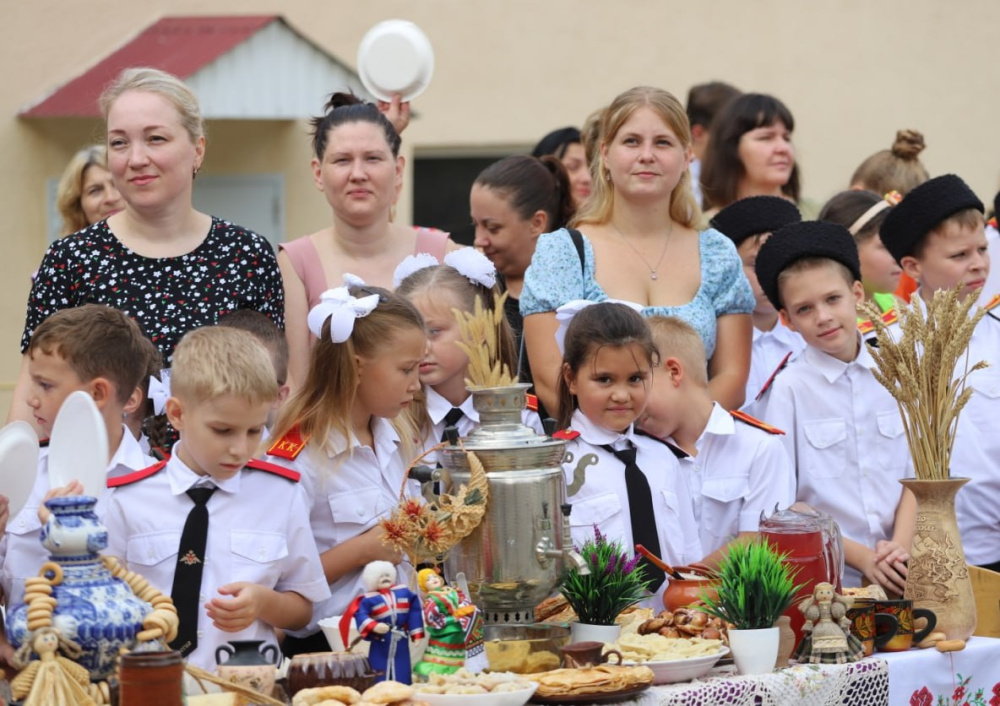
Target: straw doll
(52, 678)
(827, 638)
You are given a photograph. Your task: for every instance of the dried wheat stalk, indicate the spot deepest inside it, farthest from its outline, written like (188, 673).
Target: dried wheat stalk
(480, 333)
(918, 368)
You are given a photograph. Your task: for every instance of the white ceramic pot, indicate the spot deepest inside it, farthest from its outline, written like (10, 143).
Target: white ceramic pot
(754, 651)
(585, 632)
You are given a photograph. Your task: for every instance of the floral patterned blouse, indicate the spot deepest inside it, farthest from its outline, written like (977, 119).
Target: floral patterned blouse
(233, 268)
(555, 277)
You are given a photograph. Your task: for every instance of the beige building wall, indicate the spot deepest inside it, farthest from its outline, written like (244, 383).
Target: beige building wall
(852, 72)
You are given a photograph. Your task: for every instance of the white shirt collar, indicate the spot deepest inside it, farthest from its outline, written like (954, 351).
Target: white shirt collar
(597, 435)
(182, 478)
(129, 454)
(831, 368)
(780, 333)
(438, 406)
(383, 432)
(720, 423)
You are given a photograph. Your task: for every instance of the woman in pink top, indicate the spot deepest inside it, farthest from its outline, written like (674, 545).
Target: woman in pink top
(358, 168)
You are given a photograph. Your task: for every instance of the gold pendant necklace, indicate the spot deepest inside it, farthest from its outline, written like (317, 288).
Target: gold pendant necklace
(653, 274)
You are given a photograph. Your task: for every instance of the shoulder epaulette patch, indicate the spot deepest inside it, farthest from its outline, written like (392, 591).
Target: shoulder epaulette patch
(43, 443)
(992, 303)
(289, 446)
(767, 383)
(888, 318)
(754, 422)
(136, 476)
(532, 402)
(566, 434)
(992, 222)
(674, 449)
(277, 470)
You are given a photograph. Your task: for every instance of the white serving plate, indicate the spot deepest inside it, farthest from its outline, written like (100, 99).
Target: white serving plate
(395, 56)
(677, 670)
(18, 463)
(503, 698)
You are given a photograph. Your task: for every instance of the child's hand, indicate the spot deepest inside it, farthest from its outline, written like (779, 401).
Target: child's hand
(396, 112)
(378, 550)
(240, 611)
(885, 566)
(73, 488)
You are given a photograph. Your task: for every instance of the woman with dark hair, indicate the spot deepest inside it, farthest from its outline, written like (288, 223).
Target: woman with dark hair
(358, 169)
(751, 153)
(512, 202)
(566, 145)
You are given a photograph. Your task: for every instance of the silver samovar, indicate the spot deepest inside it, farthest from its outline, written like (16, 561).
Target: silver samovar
(516, 558)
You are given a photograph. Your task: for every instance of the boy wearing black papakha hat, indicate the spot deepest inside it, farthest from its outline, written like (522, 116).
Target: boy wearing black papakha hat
(937, 235)
(748, 223)
(843, 430)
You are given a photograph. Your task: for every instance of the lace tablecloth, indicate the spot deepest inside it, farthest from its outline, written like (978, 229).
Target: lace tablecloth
(864, 683)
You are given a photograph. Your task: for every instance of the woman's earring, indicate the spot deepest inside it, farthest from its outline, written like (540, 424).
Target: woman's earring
(195, 174)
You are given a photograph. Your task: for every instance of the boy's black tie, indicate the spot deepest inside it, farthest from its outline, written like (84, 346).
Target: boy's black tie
(643, 519)
(451, 419)
(187, 575)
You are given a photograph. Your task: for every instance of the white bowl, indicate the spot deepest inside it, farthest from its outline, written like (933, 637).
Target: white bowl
(395, 56)
(677, 670)
(502, 698)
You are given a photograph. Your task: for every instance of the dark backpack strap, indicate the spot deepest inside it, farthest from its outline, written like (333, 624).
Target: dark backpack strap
(577, 238)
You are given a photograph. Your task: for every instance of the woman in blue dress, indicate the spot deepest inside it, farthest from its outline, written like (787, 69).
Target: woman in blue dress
(642, 241)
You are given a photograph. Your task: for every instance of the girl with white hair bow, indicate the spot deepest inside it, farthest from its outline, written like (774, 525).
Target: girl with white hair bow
(339, 431)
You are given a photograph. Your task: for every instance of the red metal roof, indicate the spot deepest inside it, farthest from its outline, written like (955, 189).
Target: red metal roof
(180, 45)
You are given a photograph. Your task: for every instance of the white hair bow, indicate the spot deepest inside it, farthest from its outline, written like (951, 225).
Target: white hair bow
(159, 391)
(567, 311)
(473, 265)
(342, 309)
(411, 264)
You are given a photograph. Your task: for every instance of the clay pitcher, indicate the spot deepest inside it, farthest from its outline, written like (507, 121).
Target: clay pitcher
(938, 578)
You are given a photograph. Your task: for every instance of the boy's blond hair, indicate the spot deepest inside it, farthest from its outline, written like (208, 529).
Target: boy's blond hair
(214, 361)
(677, 339)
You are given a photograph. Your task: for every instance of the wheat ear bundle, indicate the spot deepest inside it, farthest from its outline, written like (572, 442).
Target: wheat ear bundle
(926, 369)
(480, 334)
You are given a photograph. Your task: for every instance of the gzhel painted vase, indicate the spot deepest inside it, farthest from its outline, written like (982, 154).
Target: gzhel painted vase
(248, 665)
(94, 609)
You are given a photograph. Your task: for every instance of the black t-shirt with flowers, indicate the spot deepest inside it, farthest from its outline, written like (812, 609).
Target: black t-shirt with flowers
(233, 268)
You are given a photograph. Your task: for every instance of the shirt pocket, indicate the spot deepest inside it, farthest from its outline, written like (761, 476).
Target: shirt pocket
(824, 455)
(721, 501)
(982, 407)
(604, 511)
(152, 550)
(257, 556)
(356, 511)
(893, 451)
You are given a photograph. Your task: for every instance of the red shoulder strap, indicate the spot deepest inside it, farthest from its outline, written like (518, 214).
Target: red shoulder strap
(767, 384)
(275, 469)
(993, 303)
(42, 443)
(136, 476)
(532, 402)
(289, 446)
(566, 434)
(346, 618)
(754, 422)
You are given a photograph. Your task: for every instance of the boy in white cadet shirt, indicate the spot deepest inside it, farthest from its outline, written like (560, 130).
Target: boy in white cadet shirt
(226, 536)
(748, 223)
(936, 235)
(102, 352)
(843, 429)
(736, 465)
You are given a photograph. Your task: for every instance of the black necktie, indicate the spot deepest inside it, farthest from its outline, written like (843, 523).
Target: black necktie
(450, 420)
(643, 518)
(187, 575)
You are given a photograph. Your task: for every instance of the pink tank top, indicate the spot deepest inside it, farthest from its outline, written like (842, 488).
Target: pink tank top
(305, 260)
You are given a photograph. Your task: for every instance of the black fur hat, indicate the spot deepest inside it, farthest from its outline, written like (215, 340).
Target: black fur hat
(755, 215)
(801, 240)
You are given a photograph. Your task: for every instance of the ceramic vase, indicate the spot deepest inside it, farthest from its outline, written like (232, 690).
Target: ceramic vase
(586, 632)
(248, 664)
(786, 641)
(755, 651)
(938, 577)
(94, 609)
